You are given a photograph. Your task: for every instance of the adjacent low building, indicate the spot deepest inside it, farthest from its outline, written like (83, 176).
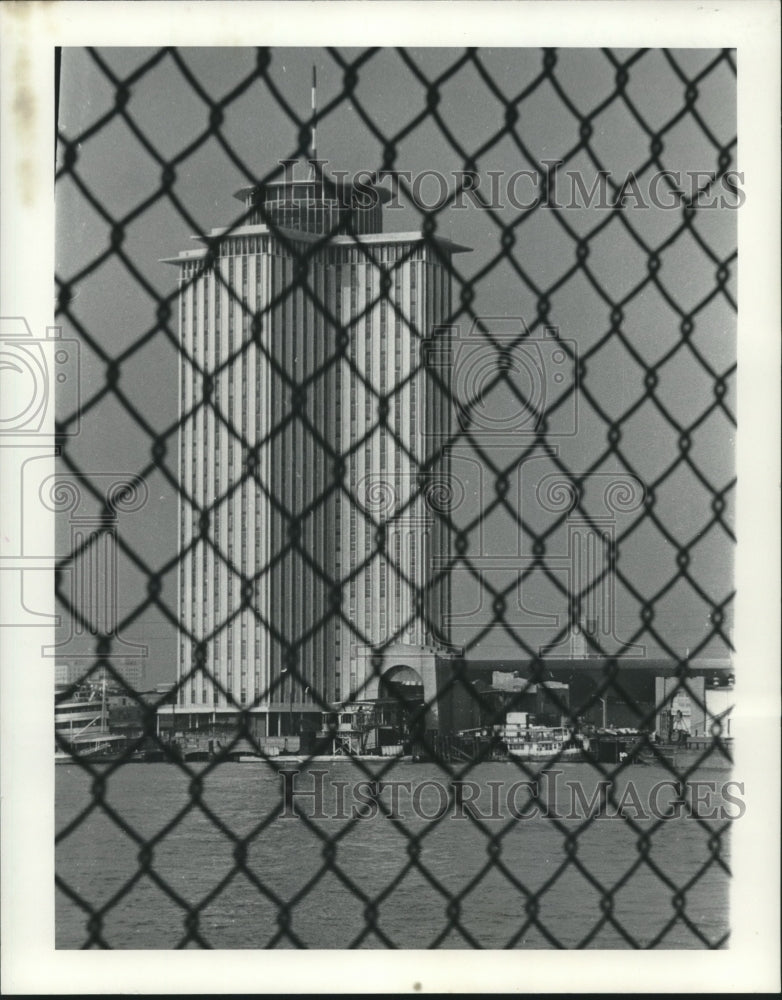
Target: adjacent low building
(702, 701)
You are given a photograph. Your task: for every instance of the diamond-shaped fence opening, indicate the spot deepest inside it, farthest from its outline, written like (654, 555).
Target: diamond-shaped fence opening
(419, 496)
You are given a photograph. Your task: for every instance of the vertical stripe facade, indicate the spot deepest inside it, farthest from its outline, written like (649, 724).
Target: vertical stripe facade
(306, 417)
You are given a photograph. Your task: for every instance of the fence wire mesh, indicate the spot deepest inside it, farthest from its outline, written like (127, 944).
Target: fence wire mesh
(581, 889)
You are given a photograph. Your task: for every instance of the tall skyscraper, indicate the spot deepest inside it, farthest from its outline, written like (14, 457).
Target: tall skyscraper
(309, 454)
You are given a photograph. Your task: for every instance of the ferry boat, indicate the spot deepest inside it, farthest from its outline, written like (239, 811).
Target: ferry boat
(82, 731)
(517, 739)
(528, 742)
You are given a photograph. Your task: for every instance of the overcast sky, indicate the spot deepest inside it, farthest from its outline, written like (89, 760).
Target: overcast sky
(115, 309)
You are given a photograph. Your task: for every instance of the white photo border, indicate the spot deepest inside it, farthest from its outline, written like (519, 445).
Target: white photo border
(30, 32)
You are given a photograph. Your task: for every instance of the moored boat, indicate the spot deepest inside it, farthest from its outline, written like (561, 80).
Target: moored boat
(551, 744)
(541, 743)
(82, 732)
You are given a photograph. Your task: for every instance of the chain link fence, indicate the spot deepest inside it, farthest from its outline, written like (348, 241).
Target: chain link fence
(203, 852)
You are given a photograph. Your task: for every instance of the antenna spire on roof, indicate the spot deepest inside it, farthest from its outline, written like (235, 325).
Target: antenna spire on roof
(314, 152)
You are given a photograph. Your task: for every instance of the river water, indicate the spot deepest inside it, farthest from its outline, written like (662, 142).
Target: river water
(488, 863)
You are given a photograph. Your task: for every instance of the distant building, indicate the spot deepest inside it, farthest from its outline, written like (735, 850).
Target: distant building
(62, 674)
(132, 671)
(704, 700)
